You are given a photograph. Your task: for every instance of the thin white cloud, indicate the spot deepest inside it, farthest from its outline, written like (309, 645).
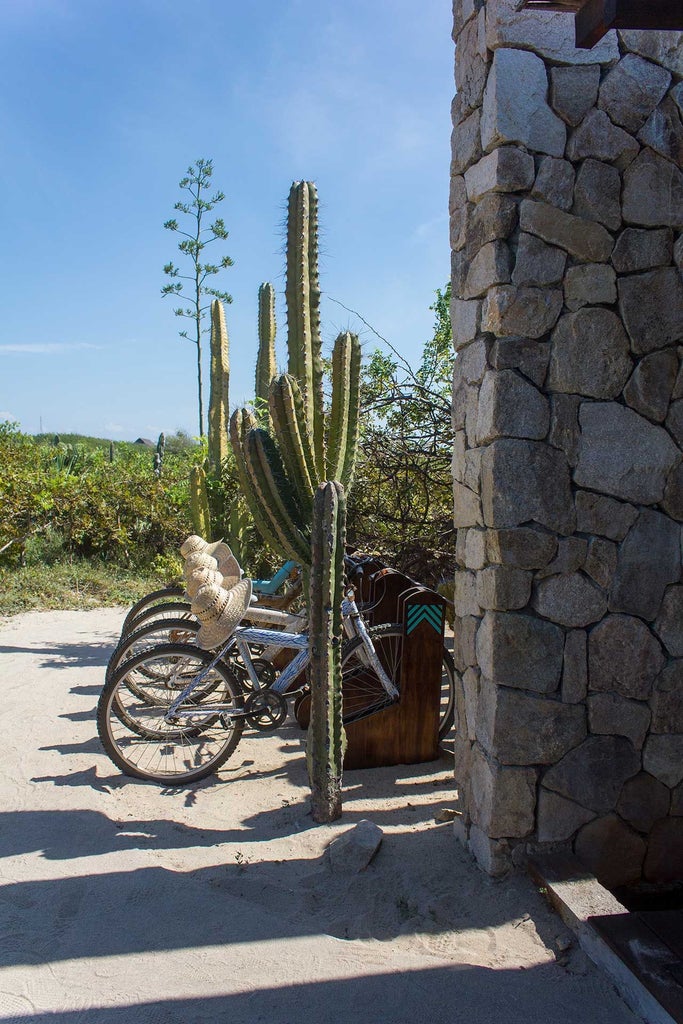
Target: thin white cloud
(6, 415)
(46, 348)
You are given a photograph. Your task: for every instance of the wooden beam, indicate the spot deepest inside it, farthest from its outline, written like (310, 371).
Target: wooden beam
(595, 18)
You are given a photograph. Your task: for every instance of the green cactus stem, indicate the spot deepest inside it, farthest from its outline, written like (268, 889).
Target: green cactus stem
(266, 367)
(326, 736)
(342, 441)
(219, 400)
(276, 496)
(289, 422)
(199, 503)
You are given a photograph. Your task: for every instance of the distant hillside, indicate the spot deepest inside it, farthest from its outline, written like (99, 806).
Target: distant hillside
(180, 441)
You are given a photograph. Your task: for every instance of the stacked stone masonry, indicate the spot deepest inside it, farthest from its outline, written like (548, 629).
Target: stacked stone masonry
(566, 214)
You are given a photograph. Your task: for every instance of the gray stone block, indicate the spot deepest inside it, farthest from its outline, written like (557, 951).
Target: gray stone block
(669, 623)
(653, 192)
(465, 318)
(601, 561)
(623, 657)
(575, 667)
(665, 48)
(612, 715)
(503, 799)
(554, 182)
(515, 107)
(492, 855)
(471, 68)
(502, 588)
(640, 249)
(559, 818)
(470, 687)
(593, 773)
(664, 852)
(493, 217)
(598, 138)
(548, 34)
(573, 91)
(672, 502)
(564, 425)
(571, 555)
(510, 406)
(537, 263)
(582, 238)
(604, 516)
(612, 851)
(590, 284)
(543, 731)
(674, 422)
(509, 311)
(622, 454)
(523, 548)
(651, 307)
(631, 91)
(520, 651)
(465, 594)
(589, 354)
(667, 699)
(524, 354)
(663, 132)
(507, 169)
(475, 549)
(663, 758)
(570, 599)
(643, 801)
(649, 560)
(466, 143)
(651, 384)
(597, 195)
(526, 480)
(491, 266)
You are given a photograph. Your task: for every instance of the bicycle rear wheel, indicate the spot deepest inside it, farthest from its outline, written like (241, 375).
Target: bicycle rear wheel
(139, 740)
(165, 595)
(160, 631)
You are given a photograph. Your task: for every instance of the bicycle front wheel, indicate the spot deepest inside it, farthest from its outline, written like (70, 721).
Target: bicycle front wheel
(134, 731)
(163, 596)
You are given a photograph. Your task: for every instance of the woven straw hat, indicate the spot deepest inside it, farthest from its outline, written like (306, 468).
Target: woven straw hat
(219, 550)
(199, 560)
(199, 577)
(220, 611)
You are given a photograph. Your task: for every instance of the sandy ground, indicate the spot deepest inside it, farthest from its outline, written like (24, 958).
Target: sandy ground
(125, 903)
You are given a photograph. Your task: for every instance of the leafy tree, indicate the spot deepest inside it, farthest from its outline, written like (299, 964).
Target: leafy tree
(197, 184)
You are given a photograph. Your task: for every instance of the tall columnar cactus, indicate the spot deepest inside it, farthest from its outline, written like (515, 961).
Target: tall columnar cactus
(266, 366)
(327, 740)
(199, 502)
(219, 401)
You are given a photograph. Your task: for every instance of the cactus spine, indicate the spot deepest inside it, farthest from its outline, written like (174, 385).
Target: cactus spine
(266, 366)
(326, 737)
(199, 503)
(219, 400)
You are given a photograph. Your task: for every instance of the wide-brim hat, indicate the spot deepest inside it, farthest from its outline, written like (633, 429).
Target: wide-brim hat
(199, 560)
(219, 549)
(220, 612)
(199, 577)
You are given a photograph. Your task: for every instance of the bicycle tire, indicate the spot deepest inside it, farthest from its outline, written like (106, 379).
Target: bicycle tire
(169, 753)
(155, 597)
(151, 634)
(166, 610)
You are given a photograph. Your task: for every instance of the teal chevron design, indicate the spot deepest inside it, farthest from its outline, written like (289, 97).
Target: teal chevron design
(430, 613)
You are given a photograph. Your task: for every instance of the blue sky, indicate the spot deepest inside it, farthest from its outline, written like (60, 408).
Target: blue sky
(105, 103)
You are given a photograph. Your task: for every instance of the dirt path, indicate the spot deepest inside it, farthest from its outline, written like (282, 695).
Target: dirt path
(125, 903)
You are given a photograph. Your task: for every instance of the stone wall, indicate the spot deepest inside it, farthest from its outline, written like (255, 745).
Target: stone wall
(566, 216)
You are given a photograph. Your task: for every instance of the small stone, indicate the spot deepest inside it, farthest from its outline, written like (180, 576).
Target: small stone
(470, 686)
(632, 90)
(672, 502)
(537, 263)
(667, 699)
(524, 354)
(589, 354)
(559, 818)
(492, 856)
(674, 422)
(465, 594)
(554, 182)
(526, 480)
(643, 801)
(503, 800)
(575, 667)
(353, 851)
(446, 814)
(509, 311)
(663, 758)
(471, 362)
(471, 68)
(665, 48)
(544, 730)
(590, 284)
(573, 91)
(491, 265)
(571, 554)
(564, 425)
(466, 506)
(664, 859)
(467, 632)
(611, 850)
(465, 317)
(593, 773)
(507, 169)
(648, 561)
(520, 651)
(510, 406)
(622, 454)
(623, 657)
(651, 307)
(597, 137)
(466, 143)
(524, 548)
(493, 217)
(502, 588)
(475, 549)
(669, 623)
(612, 715)
(582, 238)
(663, 132)
(601, 561)
(640, 249)
(653, 192)
(597, 195)
(604, 516)
(651, 384)
(457, 209)
(515, 107)
(570, 600)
